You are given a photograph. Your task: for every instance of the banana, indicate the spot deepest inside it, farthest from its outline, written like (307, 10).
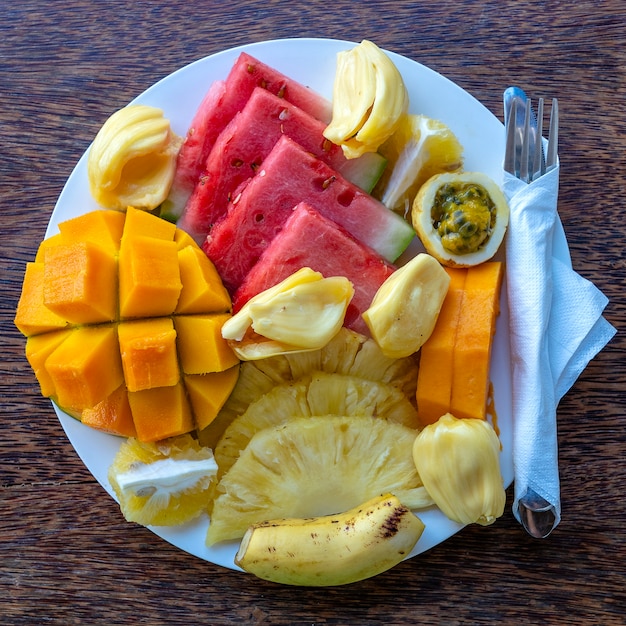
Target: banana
(333, 549)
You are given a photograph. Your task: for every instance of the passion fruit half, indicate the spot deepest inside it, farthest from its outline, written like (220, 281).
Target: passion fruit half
(460, 217)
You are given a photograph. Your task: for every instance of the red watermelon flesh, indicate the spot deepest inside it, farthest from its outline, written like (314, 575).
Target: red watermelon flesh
(290, 175)
(223, 100)
(310, 240)
(245, 142)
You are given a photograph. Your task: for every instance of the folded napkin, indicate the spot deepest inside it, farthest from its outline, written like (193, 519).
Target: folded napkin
(556, 328)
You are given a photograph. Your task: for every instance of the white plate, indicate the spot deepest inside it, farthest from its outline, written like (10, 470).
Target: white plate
(312, 62)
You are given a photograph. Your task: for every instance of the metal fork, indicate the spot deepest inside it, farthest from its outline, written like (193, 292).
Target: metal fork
(524, 158)
(524, 152)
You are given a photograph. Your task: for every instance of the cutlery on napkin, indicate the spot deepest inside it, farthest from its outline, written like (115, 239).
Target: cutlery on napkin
(556, 328)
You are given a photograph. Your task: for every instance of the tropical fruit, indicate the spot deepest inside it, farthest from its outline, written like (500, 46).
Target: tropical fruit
(224, 99)
(348, 353)
(419, 148)
(291, 175)
(455, 361)
(308, 239)
(332, 549)
(122, 314)
(242, 146)
(164, 483)
(317, 394)
(461, 218)
(315, 466)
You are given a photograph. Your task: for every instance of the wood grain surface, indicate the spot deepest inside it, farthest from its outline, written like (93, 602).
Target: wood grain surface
(66, 554)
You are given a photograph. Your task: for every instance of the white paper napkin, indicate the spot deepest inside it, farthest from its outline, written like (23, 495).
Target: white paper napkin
(556, 328)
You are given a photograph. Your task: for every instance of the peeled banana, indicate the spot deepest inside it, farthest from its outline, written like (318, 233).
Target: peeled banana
(334, 549)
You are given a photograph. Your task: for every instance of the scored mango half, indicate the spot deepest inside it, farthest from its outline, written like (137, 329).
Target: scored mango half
(123, 314)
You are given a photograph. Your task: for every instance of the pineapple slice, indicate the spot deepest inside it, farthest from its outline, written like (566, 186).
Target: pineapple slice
(318, 394)
(348, 353)
(165, 483)
(315, 466)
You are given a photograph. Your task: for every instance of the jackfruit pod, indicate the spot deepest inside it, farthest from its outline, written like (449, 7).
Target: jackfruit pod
(406, 306)
(133, 159)
(303, 312)
(458, 462)
(369, 99)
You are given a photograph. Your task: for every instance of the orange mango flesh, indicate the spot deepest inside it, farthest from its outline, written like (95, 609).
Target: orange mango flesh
(201, 347)
(454, 363)
(149, 357)
(112, 415)
(102, 227)
(121, 371)
(38, 349)
(149, 277)
(80, 282)
(207, 393)
(202, 288)
(32, 317)
(86, 367)
(161, 412)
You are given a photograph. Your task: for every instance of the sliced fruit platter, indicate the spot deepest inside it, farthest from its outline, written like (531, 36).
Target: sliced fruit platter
(268, 416)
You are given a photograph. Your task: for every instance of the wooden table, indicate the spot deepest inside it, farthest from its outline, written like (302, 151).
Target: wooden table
(66, 554)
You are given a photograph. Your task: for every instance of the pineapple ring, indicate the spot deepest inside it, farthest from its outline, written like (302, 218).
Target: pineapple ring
(314, 466)
(318, 394)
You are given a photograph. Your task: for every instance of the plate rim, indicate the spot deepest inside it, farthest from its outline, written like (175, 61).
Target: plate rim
(181, 536)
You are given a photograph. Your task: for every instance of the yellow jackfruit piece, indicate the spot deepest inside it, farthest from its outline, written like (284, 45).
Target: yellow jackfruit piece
(303, 312)
(458, 462)
(369, 99)
(133, 159)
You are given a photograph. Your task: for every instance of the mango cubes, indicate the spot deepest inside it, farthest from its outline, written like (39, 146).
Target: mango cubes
(123, 315)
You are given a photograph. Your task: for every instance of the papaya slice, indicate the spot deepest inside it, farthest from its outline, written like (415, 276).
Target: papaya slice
(474, 339)
(435, 375)
(455, 361)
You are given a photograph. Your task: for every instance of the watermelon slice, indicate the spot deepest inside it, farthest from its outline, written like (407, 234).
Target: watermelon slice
(223, 100)
(310, 240)
(247, 140)
(288, 176)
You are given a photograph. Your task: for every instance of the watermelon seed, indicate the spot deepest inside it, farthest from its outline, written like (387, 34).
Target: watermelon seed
(328, 182)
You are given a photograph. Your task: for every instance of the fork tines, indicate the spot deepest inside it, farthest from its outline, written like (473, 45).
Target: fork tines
(524, 154)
